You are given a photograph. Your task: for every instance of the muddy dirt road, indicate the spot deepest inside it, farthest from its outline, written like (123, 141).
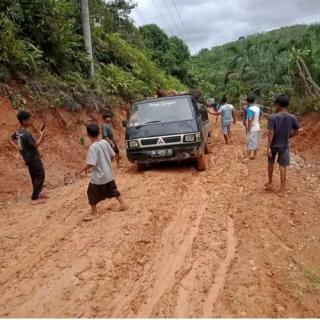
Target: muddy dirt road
(192, 244)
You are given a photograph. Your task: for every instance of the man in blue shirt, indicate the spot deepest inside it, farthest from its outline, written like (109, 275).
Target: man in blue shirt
(282, 126)
(252, 128)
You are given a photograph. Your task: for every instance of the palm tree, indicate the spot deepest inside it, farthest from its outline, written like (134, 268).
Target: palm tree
(87, 34)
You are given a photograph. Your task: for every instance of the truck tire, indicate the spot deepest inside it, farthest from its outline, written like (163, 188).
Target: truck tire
(201, 163)
(206, 149)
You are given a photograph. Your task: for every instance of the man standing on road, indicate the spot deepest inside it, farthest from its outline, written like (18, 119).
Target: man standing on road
(282, 126)
(252, 128)
(107, 134)
(28, 147)
(227, 117)
(244, 115)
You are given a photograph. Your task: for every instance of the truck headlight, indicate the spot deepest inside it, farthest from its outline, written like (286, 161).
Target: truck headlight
(133, 144)
(190, 138)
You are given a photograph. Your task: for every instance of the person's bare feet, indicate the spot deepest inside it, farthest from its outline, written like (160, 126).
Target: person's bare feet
(38, 201)
(282, 194)
(43, 195)
(268, 186)
(90, 216)
(123, 208)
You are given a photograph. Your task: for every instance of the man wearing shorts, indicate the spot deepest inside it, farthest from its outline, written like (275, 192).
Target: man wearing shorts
(227, 117)
(252, 128)
(282, 126)
(102, 185)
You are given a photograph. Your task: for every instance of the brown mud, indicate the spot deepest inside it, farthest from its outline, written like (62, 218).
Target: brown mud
(192, 244)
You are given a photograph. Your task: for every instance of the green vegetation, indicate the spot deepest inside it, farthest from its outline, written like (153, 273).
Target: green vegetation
(313, 277)
(304, 281)
(41, 45)
(264, 64)
(170, 53)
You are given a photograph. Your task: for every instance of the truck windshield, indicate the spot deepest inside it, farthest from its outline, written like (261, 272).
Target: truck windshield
(162, 111)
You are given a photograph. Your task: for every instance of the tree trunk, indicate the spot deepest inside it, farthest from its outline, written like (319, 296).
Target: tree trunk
(87, 34)
(310, 79)
(302, 75)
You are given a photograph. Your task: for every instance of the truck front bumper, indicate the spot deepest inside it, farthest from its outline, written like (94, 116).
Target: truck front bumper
(178, 153)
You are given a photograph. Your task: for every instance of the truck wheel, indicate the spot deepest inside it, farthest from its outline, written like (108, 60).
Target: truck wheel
(206, 149)
(140, 167)
(201, 163)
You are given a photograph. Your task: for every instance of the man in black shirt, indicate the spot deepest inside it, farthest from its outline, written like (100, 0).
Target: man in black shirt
(24, 142)
(282, 126)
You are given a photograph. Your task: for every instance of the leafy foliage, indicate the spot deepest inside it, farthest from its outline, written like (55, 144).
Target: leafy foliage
(42, 39)
(260, 64)
(41, 44)
(15, 52)
(170, 53)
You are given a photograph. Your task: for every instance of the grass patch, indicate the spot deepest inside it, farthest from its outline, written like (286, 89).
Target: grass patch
(301, 279)
(313, 278)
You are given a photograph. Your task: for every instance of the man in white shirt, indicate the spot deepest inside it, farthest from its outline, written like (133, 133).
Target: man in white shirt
(227, 117)
(102, 185)
(252, 128)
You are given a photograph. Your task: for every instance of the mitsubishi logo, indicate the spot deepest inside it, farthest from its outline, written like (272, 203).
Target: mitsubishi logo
(160, 141)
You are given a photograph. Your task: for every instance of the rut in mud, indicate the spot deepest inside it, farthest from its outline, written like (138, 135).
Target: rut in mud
(192, 244)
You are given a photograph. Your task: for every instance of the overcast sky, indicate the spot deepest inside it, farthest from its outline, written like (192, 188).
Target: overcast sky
(207, 23)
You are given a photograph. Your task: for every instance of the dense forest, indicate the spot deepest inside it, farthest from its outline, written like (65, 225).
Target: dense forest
(41, 45)
(42, 48)
(286, 60)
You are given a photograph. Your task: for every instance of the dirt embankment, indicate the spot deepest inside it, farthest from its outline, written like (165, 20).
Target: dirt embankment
(308, 142)
(63, 150)
(192, 244)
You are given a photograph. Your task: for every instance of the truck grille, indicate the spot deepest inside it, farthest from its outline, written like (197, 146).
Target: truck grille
(157, 141)
(148, 142)
(173, 139)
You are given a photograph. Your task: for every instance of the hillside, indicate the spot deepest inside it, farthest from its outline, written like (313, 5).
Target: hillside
(265, 64)
(42, 49)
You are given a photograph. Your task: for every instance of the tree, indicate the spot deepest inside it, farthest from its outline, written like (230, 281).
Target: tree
(43, 38)
(157, 41)
(170, 53)
(176, 58)
(310, 85)
(87, 34)
(261, 64)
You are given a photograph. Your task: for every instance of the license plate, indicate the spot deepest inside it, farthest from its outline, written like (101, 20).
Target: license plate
(162, 153)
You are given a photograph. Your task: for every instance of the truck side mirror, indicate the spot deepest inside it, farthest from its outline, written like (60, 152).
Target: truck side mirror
(124, 123)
